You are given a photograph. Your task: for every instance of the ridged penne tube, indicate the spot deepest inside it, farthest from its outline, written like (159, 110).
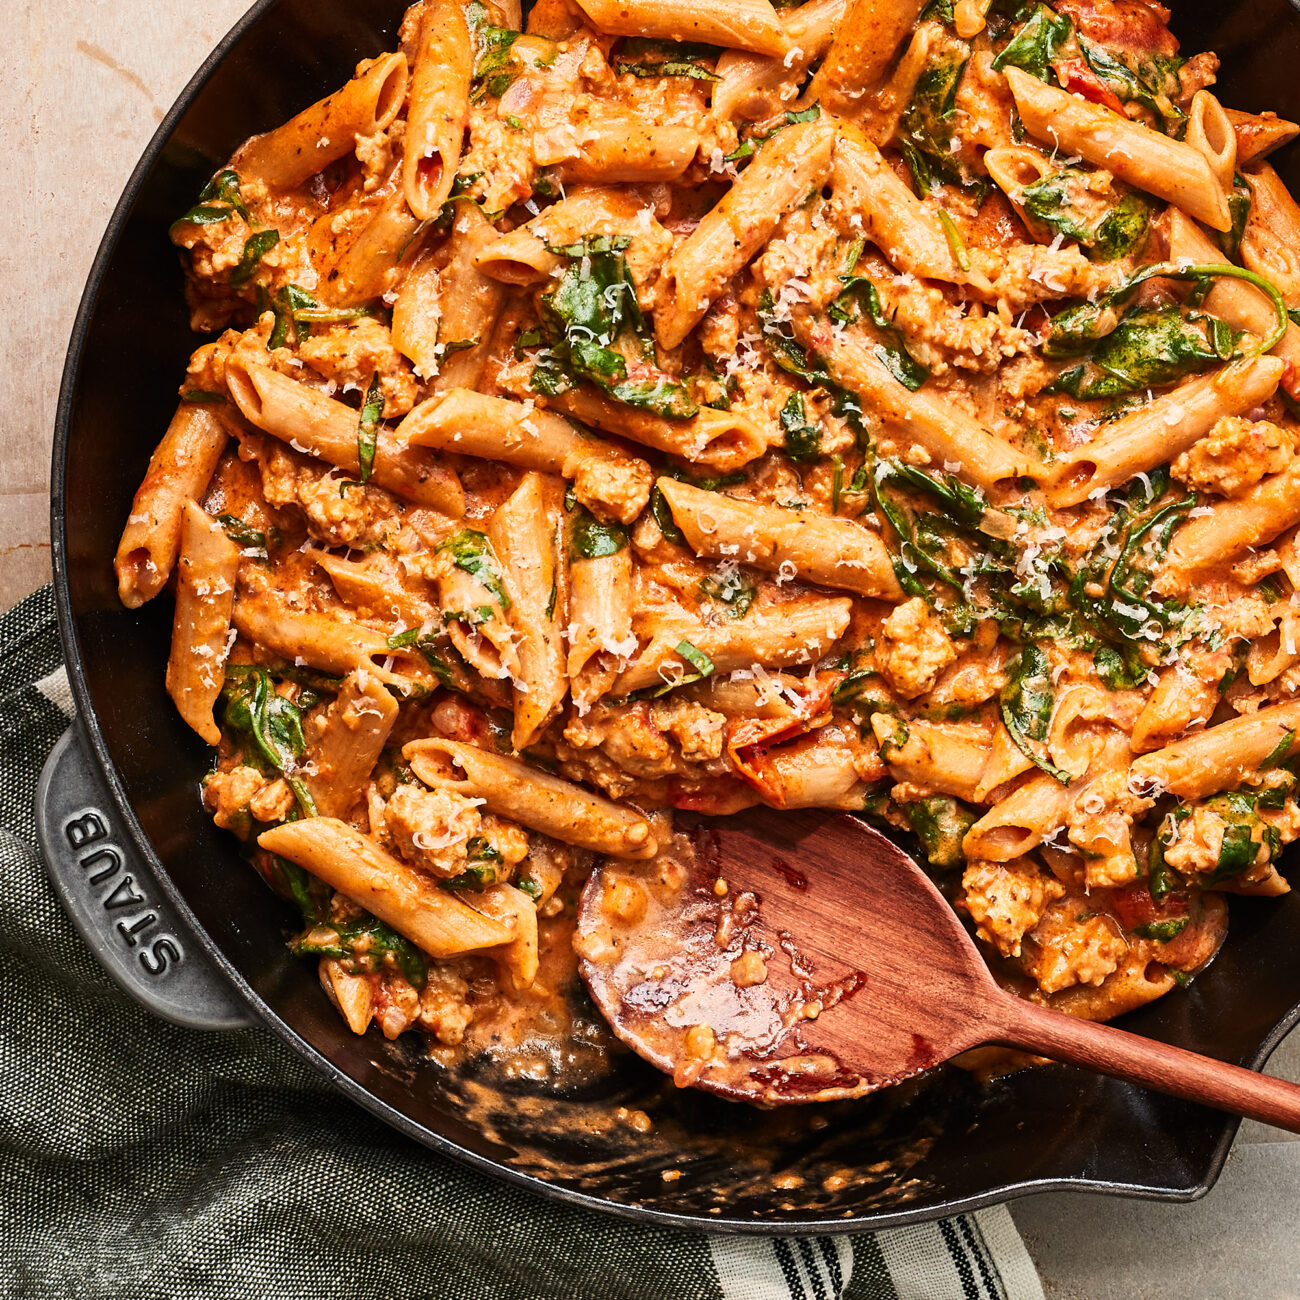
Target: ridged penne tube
(471, 304)
(364, 266)
(722, 440)
(737, 25)
(1137, 154)
(347, 742)
(605, 478)
(1240, 304)
(523, 256)
(1156, 433)
(205, 599)
(1027, 816)
(179, 471)
(328, 130)
(610, 143)
(417, 315)
(1258, 134)
(1258, 515)
(527, 535)
(1180, 700)
(791, 163)
(893, 218)
(438, 110)
(864, 46)
(944, 759)
(514, 909)
(752, 86)
(511, 788)
(817, 548)
(814, 771)
(1210, 132)
(600, 624)
(476, 600)
(945, 431)
(1220, 758)
(1270, 244)
(319, 426)
(797, 631)
(436, 921)
(375, 593)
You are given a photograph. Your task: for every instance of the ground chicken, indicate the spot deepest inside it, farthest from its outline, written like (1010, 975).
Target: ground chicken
(355, 517)
(444, 1007)
(1007, 899)
(431, 828)
(351, 354)
(913, 649)
(1235, 455)
(611, 487)
(1071, 946)
(228, 794)
(696, 729)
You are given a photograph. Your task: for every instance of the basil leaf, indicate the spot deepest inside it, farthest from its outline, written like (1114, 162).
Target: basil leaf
(368, 428)
(472, 553)
(256, 247)
(1279, 752)
(224, 188)
(492, 47)
(748, 148)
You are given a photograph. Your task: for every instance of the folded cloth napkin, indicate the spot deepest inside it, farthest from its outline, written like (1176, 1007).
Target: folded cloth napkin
(142, 1161)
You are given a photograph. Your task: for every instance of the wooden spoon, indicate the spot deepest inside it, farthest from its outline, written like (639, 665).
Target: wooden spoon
(802, 956)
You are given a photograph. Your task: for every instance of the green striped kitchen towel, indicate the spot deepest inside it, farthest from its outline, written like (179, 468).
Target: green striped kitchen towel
(142, 1161)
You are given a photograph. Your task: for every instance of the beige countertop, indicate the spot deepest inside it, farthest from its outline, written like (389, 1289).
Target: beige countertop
(92, 82)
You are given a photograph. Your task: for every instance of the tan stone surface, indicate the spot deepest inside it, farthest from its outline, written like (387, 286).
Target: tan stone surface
(83, 89)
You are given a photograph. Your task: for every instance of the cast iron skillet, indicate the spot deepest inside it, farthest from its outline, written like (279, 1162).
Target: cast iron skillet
(902, 1157)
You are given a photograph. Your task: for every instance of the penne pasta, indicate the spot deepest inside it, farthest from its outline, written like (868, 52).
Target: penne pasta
(606, 479)
(864, 46)
(740, 25)
(600, 623)
(785, 169)
(545, 803)
(471, 304)
(1170, 169)
(319, 426)
(438, 113)
(434, 920)
(329, 130)
(1159, 431)
(1259, 134)
(205, 599)
(350, 737)
(827, 551)
(179, 471)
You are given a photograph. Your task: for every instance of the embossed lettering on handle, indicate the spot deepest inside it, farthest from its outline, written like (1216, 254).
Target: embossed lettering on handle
(114, 900)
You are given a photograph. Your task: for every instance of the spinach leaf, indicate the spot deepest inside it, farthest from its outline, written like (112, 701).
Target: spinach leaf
(256, 247)
(591, 539)
(471, 552)
(1124, 229)
(1239, 202)
(940, 823)
(663, 516)
(368, 428)
(803, 441)
(243, 535)
(668, 68)
(492, 47)
(266, 726)
(1152, 82)
(748, 148)
(926, 129)
(592, 308)
(1027, 703)
(220, 200)
(1036, 43)
(296, 311)
(1163, 931)
(363, 945)
(444, 660)
(860, 297)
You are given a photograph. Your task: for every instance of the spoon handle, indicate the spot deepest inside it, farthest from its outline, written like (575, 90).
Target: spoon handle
(1157, 1065)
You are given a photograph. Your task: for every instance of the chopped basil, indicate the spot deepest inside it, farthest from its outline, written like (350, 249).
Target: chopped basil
(669, 68)
(748, 148)
(240, 532)
(1163, 931)
(492, 47)
(220, 200)
(368, 428)
(730, 587)
(297, 310)
(1279, 753)
(1239, 201)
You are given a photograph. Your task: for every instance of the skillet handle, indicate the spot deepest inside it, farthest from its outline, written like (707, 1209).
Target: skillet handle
(113, 898)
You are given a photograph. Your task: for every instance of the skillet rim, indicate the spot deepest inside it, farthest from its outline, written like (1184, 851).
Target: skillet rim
(87, 725)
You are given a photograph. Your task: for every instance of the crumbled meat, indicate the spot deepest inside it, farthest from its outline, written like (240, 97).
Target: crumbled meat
(351, 354)
(431, 828)
(1007, 899)
(913, 648)
(1235, 455)
(1071, 945)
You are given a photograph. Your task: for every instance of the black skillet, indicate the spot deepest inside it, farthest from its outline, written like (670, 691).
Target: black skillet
(188, 926)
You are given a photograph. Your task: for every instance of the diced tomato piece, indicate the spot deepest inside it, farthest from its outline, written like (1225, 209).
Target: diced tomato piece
(1134, 906)
(1079, 79)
